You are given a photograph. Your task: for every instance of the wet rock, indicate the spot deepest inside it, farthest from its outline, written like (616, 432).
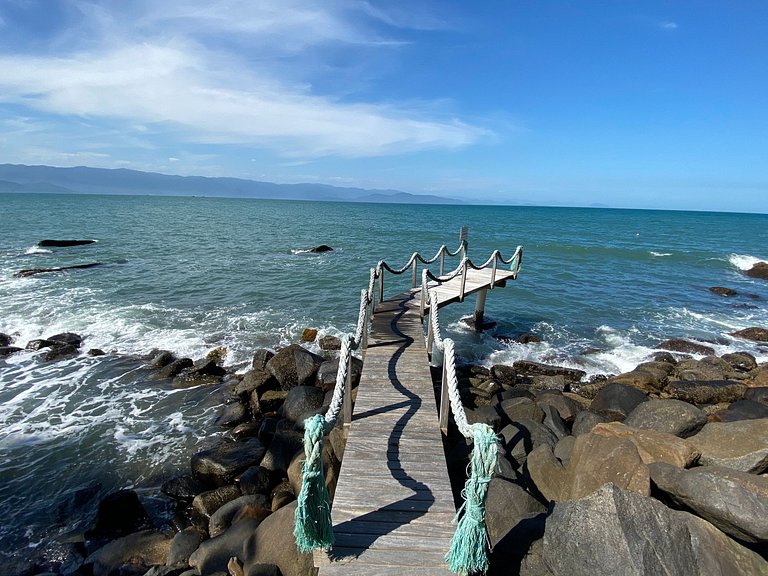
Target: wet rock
(294, 366)
(309, 335)
(206, 503)
(60, 352)
(707, 391)
(220, 465)
(5, 339)
(686, 347)
(759, 270)
(232, 415)
(755, 333)
(653, 446)
(269, 402)
(741, 445)
(585, 421)
(615, 531)
(257, 379)
(35, 271)
(616, 401)
(739, 509)
(174, 368)
(255, 506)
(504, 375)
(664, 357)
(213, 555)
(161, 358)
(282, 449)
(740, 361)
(320, 248)
(273, 543)
(217, 355)
(49, 243)
(139, 551)
(118, 514)
(255, 480)
(183, 545)
(9, 350)
(667, 415)
(326, 373)
(520, 408)
(723, 291)
(67, 338)
(528, 338)
(184, 487)
(96, 352)
(301, 400)
(260, 358)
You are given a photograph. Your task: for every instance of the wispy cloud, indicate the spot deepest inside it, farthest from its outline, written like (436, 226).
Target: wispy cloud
(229, 72)
(667, 25)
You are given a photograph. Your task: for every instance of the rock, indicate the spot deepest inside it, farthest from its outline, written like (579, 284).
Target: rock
(529, 369)
(741, 410)
(653, 446)
(35, 271)
(520, 408)
(585, 421)
(553, 421)
(294, 366)
(217, 355)
(506, 504)
(664, 357)
(759, 377)
(330, 343)
(5, 339)
(567, 407)
(615, 531)
(564, 449)
(649, 376)
(273, 543)
(174, 368)
(708, 368)
(523, 436)
(686, 347)
(119, 513)
(301, 400)
(321, 248)
(667, 415)
(707, 391)
(182, 546)
(201, 373)
(9, 350)
(722, 291)
(67, 338)
(282, 495)
(309, 335)
(756, 334)
(183, 487)
(257, 379)
(504, 375)
(282, 449)
(140, 551)
(220, 465)
(759, 270)
(741, 445)
(735, 502)
(740, 361)
(255, 480)
(63, 243)
(206, 503)
(231, 415)
(161, 359)
(759, 394)
(96, 352)
(616, 401)
(326, 373)
(485, 415)
(528, 338)
(255, 506)
(263, 570)
(213, 555)
(60, 352)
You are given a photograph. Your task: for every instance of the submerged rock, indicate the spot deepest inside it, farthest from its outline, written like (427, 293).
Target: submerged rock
(63, 243)
(35, 271)
(754, 333)
(686, 347)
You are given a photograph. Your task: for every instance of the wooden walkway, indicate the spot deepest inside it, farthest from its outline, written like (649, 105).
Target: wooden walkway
(393, 504)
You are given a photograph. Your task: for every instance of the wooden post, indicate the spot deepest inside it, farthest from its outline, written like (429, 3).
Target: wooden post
(477, 317)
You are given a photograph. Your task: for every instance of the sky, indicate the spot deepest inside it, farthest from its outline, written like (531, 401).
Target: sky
(623, 103)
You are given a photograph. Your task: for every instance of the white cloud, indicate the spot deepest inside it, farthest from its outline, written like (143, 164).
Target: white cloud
(213, 73)
(668, 25)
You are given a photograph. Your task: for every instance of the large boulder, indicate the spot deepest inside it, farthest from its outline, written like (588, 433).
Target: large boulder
(520, 408)
(566, 406)
(585, 421)
(523, 436)
(119, 513)
(616, 401)
(740, 507)
(649, 376)
(754, 333)
(667, 415)
(294, 366)
(706, 391)
(741, 410)
(256, 506)
(301, 401)
(9, 350)
(183, 544)
(614, 531)
(220, 465)
(543, 376)
(283, 447)
(741, 445)
(707, 368)
(759, 270)
(326, 373)
(653, 446)
(686, 347)
(214, 554)
(207, 503)
(506, 504)
(273, 543)
(139, 552)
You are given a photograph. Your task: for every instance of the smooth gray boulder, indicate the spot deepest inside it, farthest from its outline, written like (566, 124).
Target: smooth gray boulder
(213, 555)
(616, 401)
(667, 415)
(507, 504)
(273, 543)
(141, 549)
(302, 400)
(220, 465)
(706, 391)
(256, 506)
(741, 445)
(294, 366)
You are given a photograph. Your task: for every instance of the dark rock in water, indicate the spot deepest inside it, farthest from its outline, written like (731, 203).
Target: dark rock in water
(5, 339)
(321, 248)
(182, 547)
(722, 291)
(184, 487)
(231, 415)
(301, 400)
(754, 333)
(528, 338)
(309, 334)
(174, 368)
(741, 445)
(686, 347)
(615, 531)
(60, 352)
(260, 358)
(667, 415)
(273, 543)
(96, 352)
(212, 557)
(616, 401)
(161, 358)
(254, 506)
(190, 379)
(206, 503)
(140, 551)
(740, 508)
(529, 370)
(35, 271)
(759, 270)
(220, 465)
(503, 374)
(664, 357)
(39, 343)
(294, 366)
(63, 243)
(119, 513)
(8, 350)
(255, 480)
(67, 338)
(330, 343)
(741, 361)
(741, 410)
(707, 391)
(585, 421)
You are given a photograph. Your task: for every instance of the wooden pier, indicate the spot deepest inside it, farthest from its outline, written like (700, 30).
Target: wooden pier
(393, 504)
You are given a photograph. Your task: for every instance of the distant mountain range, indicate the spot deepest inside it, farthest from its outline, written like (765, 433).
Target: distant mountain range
(83, 180)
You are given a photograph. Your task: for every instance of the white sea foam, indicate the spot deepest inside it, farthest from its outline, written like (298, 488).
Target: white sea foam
(744, 261)
(37, 250)
(660, 254)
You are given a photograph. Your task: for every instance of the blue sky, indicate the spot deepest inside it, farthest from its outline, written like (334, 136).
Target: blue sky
(644, 104)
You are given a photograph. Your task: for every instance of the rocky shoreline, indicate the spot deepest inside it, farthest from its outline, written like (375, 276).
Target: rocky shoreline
(658, 470)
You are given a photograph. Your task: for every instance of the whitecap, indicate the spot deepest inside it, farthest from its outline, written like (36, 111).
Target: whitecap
(744, 261)
(660, 254)
(37, 250)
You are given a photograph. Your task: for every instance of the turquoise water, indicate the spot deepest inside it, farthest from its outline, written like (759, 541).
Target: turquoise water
(191, 274)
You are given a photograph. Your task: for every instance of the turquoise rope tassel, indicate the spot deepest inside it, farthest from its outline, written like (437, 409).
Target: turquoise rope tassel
(313, 527)
(470, 545)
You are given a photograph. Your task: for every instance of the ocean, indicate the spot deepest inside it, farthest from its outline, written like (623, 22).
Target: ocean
(600, 287)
